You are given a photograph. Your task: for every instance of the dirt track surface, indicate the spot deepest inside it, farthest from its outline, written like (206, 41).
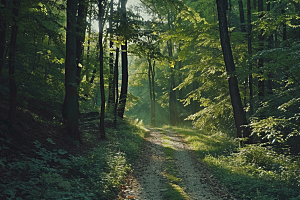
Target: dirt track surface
(148, 181)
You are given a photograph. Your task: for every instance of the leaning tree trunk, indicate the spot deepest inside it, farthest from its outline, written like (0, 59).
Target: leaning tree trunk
(102, 114)
(239, 114)
(71, 97)
(124, 86)
(12, 65)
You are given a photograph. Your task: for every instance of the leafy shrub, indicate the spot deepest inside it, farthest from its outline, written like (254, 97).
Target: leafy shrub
(53, 174)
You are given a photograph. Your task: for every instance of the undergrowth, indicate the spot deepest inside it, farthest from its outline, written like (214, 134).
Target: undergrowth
(56, 174)
(251, 172)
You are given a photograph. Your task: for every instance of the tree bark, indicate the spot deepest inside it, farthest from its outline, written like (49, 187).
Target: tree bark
(116, 84)
(81, 27)
(180, 95)
(239, 114)
(151, 90)
(102, 114)
(111, 89)
(250, 81)
(261, 83)
(270, 44)
(124, 86)
(2, 35)
(12, 65)
(71, 97)
(172, 93)
(242, 16)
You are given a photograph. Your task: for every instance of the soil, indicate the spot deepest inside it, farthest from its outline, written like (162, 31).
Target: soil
(148, 180)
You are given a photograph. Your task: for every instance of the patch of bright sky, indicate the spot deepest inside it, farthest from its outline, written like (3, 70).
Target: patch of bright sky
(130, 5)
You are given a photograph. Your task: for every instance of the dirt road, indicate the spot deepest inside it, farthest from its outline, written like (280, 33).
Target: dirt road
(167, 169)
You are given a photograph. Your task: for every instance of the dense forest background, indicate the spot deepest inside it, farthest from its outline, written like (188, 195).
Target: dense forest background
(215, 66)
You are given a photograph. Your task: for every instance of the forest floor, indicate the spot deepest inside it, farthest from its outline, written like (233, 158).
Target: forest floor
(168, 169)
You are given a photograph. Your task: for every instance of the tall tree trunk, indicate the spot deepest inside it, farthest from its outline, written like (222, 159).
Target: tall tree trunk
(172, 93)
(270, 44)
(239, 114)
(2, 34)
(81, 27)
(261, 83)
(71, 97)
(12, 64)
(250, 81)
(102, 114)
(124, 86)
(111, 89)
(116, 84)
(284, 37)
(88, 51)
(242, 16)
(151, 90)
(243, 29)
(180, 95)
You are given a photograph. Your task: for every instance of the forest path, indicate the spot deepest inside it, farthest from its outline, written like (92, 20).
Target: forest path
(167, 169)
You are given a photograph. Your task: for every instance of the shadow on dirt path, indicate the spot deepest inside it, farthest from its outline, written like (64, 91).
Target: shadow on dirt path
(150, 179)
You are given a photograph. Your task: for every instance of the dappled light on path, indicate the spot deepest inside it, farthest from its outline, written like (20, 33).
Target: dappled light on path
(167, 169)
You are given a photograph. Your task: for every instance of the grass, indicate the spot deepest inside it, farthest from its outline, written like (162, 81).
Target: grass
(252, 172)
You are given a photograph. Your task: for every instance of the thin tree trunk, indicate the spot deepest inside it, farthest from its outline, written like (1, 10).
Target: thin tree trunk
(111, 89)
(153, 92)
(242, 16)
(270, 44)
(116, 84)
(71, 70)
(250, 81)
(2, 35)
(89, 44)
(81, 27)
(239, 114)
(102, 114)
(12, 65)
(172, 93)
(243, 29)
(124, 86)
(261, 83)
(180, 95)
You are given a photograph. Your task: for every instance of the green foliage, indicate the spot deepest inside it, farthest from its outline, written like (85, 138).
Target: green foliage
(251, 172)
(55, 174)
